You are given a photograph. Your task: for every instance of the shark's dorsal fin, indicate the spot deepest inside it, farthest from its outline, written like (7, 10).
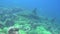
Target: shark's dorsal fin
(34, 11)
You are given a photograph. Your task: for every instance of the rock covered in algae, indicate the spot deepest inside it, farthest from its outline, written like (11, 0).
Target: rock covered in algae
(13, 30)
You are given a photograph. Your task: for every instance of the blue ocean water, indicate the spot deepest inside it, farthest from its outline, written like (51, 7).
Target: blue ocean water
(47, 8)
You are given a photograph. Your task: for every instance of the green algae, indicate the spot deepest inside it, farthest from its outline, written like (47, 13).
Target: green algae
(22, 32)
(42, 30)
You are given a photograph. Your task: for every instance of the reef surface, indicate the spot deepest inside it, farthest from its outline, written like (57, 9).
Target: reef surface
(20, 21)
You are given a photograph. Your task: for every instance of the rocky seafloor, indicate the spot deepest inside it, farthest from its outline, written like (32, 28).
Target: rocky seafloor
(20, 21)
